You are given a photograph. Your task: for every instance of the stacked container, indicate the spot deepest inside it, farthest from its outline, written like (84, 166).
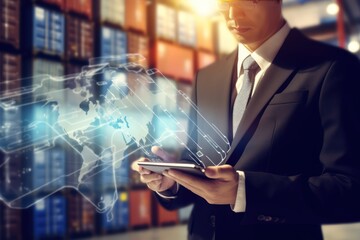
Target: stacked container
(82, 7)
(49, 218)
(80, 38)
(10, 22)
(186, 28)
(113, 42)
(81, 216)
(10, 223)
(10, 71)
(48, 31)
(140, 208)
(112, 12)
(118, 219)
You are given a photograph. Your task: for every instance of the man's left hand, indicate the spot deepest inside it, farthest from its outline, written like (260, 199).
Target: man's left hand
(219, 188)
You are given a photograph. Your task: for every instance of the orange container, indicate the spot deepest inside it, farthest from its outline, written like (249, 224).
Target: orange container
(140, 208)
(83, 7)
(205, 34)
(204, 59)
(139, 44)
(136, 15)
(174, 61)
(163, 216)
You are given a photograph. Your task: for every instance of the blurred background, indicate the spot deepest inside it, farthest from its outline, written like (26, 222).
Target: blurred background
(178, 37)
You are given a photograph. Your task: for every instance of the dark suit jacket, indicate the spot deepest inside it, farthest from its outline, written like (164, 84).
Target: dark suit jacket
(298, 144)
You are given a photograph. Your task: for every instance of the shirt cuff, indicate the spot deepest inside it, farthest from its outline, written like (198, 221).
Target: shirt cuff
(169, 194)
(240, 201)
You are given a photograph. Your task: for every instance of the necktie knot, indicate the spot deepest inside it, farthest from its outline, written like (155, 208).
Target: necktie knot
(249, 63)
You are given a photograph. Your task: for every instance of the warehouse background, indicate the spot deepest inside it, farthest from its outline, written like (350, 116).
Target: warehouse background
(178, 37)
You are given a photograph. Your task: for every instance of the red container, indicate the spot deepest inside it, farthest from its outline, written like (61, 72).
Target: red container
(59, 3)
(10, 22)
(136, 15)
(174, 61)
(81, 215)
(10, 71)
(204, 59)
(140, 208)
(139, 44)
(10, 224)
(163, 216)
(80, 38)
(205, 34)
(83, 7)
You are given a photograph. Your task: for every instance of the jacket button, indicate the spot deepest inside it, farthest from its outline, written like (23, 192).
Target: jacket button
(261, 218)
(212, 220)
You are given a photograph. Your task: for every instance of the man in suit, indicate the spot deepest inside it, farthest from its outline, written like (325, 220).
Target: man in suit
(294, 161)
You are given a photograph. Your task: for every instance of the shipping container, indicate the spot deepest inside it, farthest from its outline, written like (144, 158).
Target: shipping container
(113, 42)
(140, 208)
(48, 169)
(80, 38)
(59, 3)
(162, 23)
(10, 223)
(136, 15)
(113, 12)
(204, 59)
(174, 61)
(10, 22)
(205, 34)
(139, 44)
(186, 33)
(49, 218)
(163, 216)
(48, 31)
(82, 7)
(42, 66)
(10, 71)
(81, 215)
(118, 218)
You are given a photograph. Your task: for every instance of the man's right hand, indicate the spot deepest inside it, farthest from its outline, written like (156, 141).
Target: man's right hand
(154, 181)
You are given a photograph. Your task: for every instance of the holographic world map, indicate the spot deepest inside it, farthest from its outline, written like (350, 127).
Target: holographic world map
(80, 131)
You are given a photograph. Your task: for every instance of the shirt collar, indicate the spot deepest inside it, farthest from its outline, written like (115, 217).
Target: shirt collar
(266, 53)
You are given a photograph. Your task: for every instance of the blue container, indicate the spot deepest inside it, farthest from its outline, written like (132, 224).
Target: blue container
(113, 42)
(50, 217)
(49, 169)
(58, 216)
(118, 218)
(48, 31)
(40, 219)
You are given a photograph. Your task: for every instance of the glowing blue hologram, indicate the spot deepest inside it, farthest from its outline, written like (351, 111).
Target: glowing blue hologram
(79, 131)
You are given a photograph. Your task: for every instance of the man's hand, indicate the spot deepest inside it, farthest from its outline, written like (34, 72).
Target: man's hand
(155, 181)
(220, 188)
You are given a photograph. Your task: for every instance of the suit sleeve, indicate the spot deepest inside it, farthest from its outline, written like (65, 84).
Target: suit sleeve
(334, 195)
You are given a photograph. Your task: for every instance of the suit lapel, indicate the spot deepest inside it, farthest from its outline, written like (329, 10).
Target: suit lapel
(214, 93)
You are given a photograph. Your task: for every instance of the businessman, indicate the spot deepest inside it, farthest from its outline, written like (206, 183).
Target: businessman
(291, 108)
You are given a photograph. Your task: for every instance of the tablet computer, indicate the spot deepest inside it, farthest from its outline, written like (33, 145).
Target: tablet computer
(159, 167)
